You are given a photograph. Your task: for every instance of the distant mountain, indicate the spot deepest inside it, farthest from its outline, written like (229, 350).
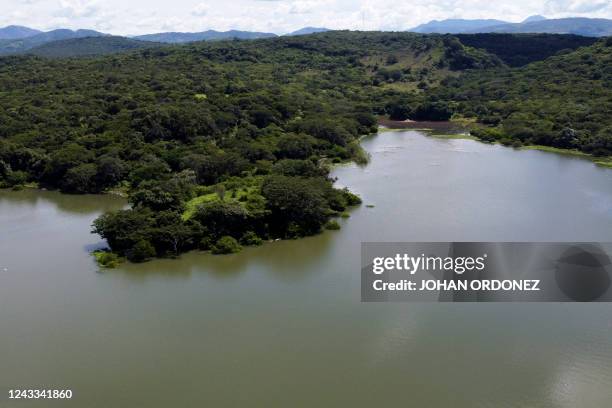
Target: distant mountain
(531, 19)
(590, 27)
(309, 30)
(16, 32)
(210, 35)
(455, 26)
(89, 46)
(25, 44)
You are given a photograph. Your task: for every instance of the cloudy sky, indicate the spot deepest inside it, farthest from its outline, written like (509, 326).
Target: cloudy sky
(127, 17)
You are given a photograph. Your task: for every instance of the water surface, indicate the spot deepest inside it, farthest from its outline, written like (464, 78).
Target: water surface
(282, 325)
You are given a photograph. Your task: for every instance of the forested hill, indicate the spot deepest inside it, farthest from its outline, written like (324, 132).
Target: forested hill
(89, 46)
(521, 49)
(564, 101)
(210, 35)
(167, 98)
(216, 142)
(221, 142)
(63, 116)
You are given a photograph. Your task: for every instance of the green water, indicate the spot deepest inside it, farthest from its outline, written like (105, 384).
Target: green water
(282, 325)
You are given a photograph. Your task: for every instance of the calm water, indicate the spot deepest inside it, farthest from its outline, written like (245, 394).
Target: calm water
(283, 325)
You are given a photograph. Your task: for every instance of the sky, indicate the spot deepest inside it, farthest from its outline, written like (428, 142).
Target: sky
(134, 17)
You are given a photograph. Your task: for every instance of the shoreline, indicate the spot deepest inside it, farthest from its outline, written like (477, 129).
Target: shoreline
(426, 126)
(388, 125)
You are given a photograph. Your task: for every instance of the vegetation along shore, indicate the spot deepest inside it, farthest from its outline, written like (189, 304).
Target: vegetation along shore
(225, 144)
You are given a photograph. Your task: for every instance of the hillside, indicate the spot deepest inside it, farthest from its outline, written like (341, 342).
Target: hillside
(563, 101)
(218, 143)
(210, 35)
(227, 142)
(16, 32)
(521, 49)
(89, 46)
(169, 100)
(25, 44)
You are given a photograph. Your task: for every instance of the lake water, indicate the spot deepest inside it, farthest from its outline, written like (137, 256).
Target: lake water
(282, 325)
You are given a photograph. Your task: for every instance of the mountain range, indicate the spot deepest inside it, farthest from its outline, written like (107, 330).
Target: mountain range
(309, 30)
(590, 27)
(24, 44)
(64, 43)
(16, 32)
(454, 26)
(210, 35)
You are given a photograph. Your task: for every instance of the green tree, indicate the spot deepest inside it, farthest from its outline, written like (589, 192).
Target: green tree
(226, 245)
(293, 200)
(81, 179)
(142, 251)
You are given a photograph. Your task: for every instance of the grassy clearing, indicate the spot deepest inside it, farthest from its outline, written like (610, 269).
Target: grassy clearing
(236, 195)
(192, 205)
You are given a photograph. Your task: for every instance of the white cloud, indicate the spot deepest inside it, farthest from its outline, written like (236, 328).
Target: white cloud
(304, 7)
(569, 7)
(200, 10)
(77, 8)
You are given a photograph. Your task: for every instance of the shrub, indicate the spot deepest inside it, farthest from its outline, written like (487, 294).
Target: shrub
(16, 178)
(205, 244)
(487, 134)
(106, 259)
(332, 225)
(251, 239)
(142, 251)
(351, 199)
(226, 245)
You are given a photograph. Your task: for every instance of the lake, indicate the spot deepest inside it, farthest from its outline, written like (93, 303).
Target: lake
(283, 325)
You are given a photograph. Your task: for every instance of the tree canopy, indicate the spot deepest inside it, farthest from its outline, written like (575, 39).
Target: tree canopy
(230, 141)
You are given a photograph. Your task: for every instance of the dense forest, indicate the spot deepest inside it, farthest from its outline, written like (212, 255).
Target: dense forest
(517, 50)
(228, 143)
(564, 101)
(89, 47)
